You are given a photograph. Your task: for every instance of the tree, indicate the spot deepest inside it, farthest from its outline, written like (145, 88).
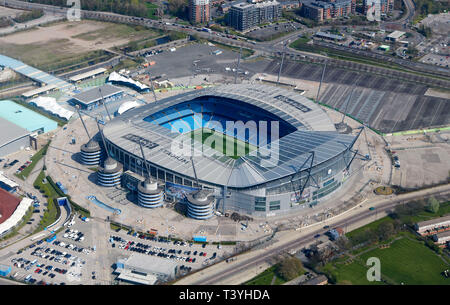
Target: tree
(433, 205)
(178, 8)
(290, 268)
(385, 230)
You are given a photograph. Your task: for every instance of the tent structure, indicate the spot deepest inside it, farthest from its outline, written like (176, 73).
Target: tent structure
(115, 77)
(49, 104)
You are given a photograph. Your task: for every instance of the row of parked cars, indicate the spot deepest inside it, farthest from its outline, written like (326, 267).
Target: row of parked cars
(74, 235)
(25, 165)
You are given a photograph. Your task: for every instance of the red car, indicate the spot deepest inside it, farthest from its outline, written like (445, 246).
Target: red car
(204, 254)
(37, 270)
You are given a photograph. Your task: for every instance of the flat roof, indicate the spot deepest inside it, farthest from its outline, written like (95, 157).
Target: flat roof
(329, 35)
(87, 74)
(39, 90)
(128, 275)
(25, 118)
(396, 34)
(14, 132)
(93, 95)
(149, 263)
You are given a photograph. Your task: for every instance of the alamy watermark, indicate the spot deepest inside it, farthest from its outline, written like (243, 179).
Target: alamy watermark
(74, 12)
(374, 272)
(231, 138)
(374, 10)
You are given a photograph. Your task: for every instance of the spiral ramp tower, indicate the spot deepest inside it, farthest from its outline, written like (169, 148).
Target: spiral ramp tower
(200, 204)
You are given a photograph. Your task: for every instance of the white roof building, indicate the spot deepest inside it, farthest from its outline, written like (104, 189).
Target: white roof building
(144, 269)
(49, 104)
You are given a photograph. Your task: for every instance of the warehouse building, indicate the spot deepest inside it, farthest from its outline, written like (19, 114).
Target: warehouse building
(93, 98)
(26, 118)
(17, 138)
(437, 224)
(144, 269)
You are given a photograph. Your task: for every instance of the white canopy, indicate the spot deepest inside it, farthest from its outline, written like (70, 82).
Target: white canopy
(127, 106)
(116, 77)
(49, 104)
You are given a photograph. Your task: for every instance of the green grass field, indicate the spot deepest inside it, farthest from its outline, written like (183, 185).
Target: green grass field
(265, 278)
(227, 145)
(406, 261)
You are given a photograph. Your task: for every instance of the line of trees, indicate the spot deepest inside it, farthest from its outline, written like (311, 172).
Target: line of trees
(137, 8)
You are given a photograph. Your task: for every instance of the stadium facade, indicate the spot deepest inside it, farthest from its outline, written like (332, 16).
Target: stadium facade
(301, 161)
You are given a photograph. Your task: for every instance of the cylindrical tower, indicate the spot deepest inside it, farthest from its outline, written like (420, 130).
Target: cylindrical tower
(91, 153)
(110, 174)
(150, 195)
(200, 204)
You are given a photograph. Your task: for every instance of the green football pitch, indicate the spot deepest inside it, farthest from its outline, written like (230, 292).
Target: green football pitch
(227, 145)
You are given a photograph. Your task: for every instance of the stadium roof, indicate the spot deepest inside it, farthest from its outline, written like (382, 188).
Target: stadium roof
(14, 132)
(93, 95)
(314, 132)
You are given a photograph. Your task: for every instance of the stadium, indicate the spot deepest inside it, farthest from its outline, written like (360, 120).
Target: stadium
(260, 150)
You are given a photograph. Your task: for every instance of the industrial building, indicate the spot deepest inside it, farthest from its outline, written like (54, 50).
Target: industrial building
(246, 15)
(395, 36)
(17, 138)
(311, 162)
(26, 118)
(94, 97)
(428, 226)
(144, 269)
(329, 36)
(12, 211)
(199, 11)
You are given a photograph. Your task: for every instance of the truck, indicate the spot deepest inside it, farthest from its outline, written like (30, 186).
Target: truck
(206, 30)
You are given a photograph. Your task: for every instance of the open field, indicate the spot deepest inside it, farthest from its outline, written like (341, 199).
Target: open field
(214, 139)
(406, 261)
(68, 43)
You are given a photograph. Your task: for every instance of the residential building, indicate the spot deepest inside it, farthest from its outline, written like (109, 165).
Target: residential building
(430, 226)
(199, 11)
(325, 10)
(246, 15)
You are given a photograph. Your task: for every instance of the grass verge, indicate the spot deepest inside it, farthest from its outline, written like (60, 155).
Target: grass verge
(34, 160)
